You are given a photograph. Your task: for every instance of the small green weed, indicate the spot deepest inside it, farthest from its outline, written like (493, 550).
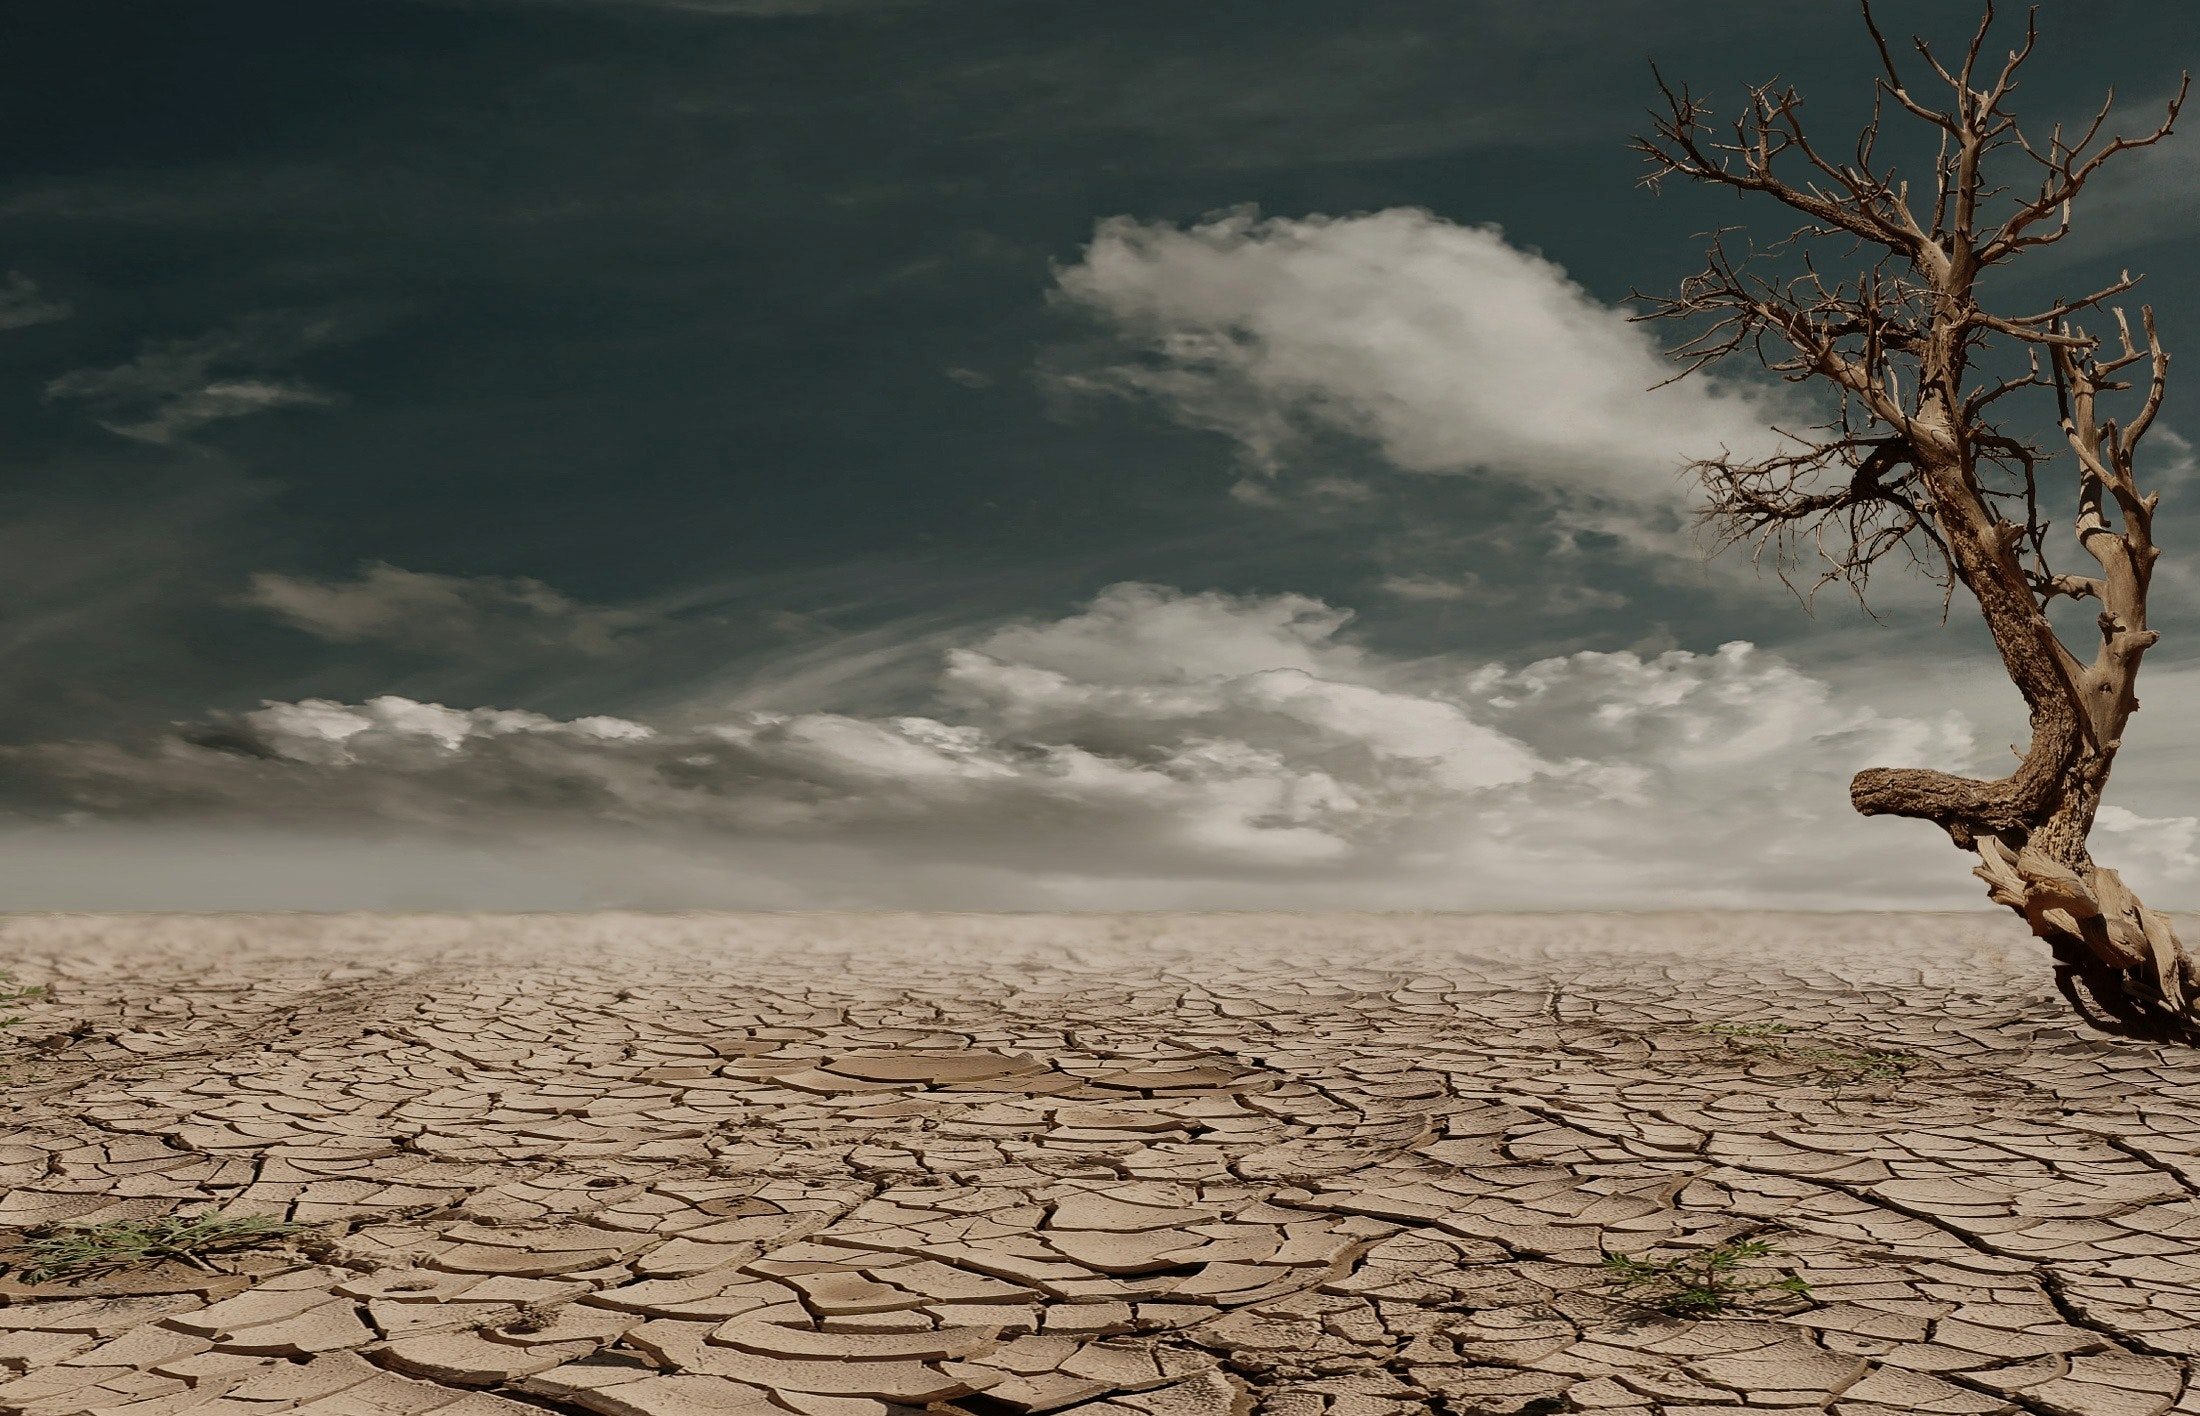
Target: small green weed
(13, 992)
(1841, 1064)
(1701, 1284)
(1837, 1066)
(119, 1243)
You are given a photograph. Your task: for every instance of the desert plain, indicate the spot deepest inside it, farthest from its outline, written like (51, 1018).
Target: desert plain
(1140, 1165)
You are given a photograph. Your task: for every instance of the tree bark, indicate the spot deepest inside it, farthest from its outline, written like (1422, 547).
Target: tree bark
(2118, 962)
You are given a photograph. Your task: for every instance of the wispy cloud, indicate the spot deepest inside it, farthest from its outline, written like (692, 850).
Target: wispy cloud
(1554, 597)
(2143, 197)
(772, 9)
(174, 387)
(449, 614)
(731, 9)
(106, 568)
(1433, 589)
(23, 303)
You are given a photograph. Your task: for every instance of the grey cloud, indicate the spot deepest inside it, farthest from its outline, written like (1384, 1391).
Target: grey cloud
(449, 614)
(1554, 598)
(174, 387)
(108, 569)
(1421, 586)
(23, 303)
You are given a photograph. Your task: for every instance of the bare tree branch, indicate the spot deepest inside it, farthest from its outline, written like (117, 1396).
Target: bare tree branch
(1916, 372)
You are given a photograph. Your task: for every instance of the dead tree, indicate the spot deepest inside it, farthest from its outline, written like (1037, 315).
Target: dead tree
(1938, 443)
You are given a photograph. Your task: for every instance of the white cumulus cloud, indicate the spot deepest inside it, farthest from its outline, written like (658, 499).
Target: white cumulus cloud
(1445, 346)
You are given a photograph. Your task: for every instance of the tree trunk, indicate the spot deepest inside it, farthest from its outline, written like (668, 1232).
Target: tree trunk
(2119, 963)
(2136, 977)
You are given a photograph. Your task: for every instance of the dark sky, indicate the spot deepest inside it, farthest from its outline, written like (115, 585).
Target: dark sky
(678, 360)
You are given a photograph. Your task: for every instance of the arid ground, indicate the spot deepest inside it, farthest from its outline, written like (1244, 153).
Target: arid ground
(848, 1165)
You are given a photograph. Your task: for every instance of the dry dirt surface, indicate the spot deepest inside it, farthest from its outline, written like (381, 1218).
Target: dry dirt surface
(1150, 1165)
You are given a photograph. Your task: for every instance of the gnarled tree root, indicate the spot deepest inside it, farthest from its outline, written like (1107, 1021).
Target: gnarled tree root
(2126, 956)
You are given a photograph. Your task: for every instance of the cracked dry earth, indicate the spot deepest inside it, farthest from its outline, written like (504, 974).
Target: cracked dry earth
(853, 1165)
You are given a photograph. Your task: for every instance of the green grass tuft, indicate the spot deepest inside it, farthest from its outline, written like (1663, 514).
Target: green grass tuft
(1747, 1029)
(1837, 1066)
(13, 992)
(1701, 1284)
(1841, 1064)
(120, 1243)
